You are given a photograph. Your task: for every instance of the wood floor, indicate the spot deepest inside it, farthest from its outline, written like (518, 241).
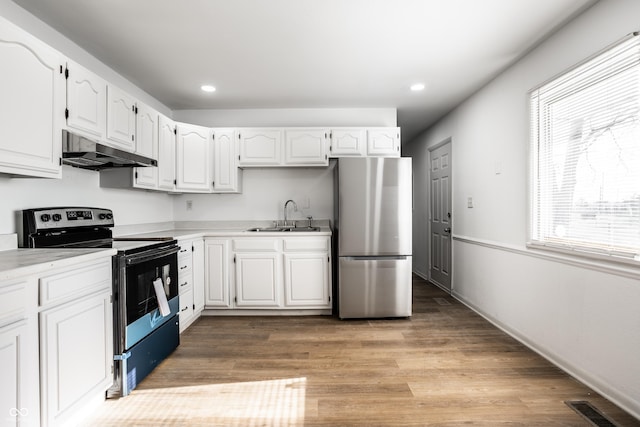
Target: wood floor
(446, 366)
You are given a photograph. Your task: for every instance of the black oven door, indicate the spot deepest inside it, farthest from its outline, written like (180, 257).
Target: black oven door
(149, 306)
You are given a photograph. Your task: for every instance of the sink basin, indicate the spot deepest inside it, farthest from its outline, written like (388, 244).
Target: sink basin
(303, 229)
(283, 229)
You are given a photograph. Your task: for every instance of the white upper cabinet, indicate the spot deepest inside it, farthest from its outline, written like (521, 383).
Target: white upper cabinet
(260, 147)
(304, 147)
(166, 153)
(383, 142)
(147, 145)
(31, 104)
(121, 119)
(348, 142)
(226, 174)
(86, 101)
(193, 158)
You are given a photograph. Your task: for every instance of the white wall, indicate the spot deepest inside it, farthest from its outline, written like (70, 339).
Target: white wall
(264, 193)
(289, 117)
(584, 319)
(79, 187)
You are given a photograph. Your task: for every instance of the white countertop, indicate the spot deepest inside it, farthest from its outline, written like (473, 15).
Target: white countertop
(232, 230)
(21, 262)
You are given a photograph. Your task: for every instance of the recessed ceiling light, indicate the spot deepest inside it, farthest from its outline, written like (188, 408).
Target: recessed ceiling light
(208, 88)
(417, 87)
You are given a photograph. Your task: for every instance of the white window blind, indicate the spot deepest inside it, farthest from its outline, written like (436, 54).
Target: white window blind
(585, 156)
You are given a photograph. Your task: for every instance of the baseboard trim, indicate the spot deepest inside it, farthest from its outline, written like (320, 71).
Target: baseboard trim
(582, 376)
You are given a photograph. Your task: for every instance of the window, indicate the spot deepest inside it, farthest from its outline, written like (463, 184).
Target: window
(585, 156)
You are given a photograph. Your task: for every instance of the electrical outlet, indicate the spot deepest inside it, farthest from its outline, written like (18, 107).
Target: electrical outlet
(189, 205)
(469, 202)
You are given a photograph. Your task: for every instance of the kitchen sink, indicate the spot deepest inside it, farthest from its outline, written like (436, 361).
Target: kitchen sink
(283, 229)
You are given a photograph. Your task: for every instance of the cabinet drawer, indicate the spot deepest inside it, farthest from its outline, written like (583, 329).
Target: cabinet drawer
(13, 302)
(185, 248)
(185, 263)
(185, 282)
(256, 245)
(313, 244)
(186, 308)
(75, 283)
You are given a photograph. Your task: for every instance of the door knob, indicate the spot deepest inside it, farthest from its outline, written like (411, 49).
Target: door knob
(447, 230)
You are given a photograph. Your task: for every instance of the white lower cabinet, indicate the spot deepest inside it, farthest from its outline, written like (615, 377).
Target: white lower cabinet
(306, 280)
(277, 273)
(19, 393)
(76, 340)
(217, 273)
(258, 279)
(76, 345)
(190, 280)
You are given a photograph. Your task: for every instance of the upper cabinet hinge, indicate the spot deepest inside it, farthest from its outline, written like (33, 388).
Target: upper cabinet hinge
(239, 135)
(136, 175)
(60, 161)
(175, 182)
(66, 113)
(66, 73)
(213, 136)
(193, 249)
(175, 131)
(234, 259)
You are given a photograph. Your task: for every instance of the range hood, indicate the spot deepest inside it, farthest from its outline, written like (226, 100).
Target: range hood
(85, 153)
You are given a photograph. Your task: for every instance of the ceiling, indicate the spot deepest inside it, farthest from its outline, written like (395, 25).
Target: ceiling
(309, 53)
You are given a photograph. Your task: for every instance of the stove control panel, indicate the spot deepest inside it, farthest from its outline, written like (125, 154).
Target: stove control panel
(49, 218)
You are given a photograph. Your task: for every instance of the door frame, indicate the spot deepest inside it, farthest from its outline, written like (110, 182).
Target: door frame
(431, 149)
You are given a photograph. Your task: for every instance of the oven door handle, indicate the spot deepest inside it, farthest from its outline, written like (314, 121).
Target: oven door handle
(151, 255)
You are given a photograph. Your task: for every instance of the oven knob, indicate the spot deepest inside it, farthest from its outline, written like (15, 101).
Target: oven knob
(102, 216)
(56, 217)
(45, 217)
(109, 216)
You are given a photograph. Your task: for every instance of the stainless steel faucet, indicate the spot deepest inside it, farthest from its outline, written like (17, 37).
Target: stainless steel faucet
(295, 209)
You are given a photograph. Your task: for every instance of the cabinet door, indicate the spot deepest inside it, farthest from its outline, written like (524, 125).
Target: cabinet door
(193, 158)
(260, 147)
(76, 352)
(31, 104)
(348, 142)
(383, 142)
(19, 393)
(86, 101)
(306, 280)
(217, 273)
(121, 119)
(166, 154)
(304, 147)
(147, 145)
(198, 275)
(225, 161)
(258, 279)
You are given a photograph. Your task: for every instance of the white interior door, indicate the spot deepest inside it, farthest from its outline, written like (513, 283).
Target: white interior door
(440, 216)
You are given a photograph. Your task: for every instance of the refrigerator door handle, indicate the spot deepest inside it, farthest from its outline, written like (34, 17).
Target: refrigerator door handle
(374, 258)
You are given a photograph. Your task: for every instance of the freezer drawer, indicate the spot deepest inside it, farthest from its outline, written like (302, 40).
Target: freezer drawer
(374, 287)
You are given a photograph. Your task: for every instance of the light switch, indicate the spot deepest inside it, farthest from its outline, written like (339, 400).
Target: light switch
(189, 205)
(469, 202)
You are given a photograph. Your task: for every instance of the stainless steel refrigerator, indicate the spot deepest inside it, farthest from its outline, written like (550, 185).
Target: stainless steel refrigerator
(373, 225)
